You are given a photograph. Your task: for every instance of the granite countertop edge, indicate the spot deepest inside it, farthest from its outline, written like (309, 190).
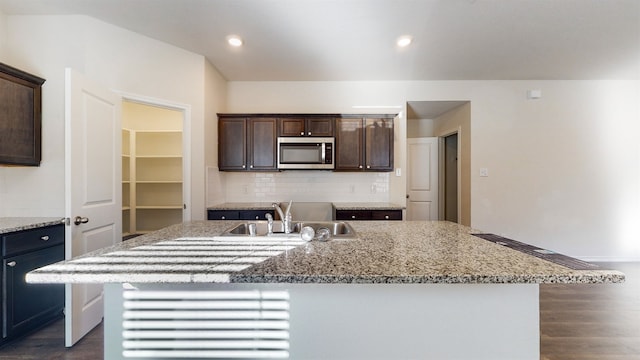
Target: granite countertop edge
(15, 224)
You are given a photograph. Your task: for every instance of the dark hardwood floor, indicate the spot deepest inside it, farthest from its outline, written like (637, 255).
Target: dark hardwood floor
(585, 322)
(48, 344)
(592, 321)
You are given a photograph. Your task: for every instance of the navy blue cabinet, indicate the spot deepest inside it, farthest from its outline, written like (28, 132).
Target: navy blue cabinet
(368, 215)
(26, 307)
(238, 214)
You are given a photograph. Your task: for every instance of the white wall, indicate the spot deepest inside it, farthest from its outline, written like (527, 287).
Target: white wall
(563, 169)
(417, 128)
(3, 37)
(215, 102)
(121, 60)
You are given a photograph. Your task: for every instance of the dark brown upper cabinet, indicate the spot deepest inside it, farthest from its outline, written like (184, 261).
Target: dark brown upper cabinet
(306, 126)
(20, 117)
(262, 144)
(378, 144)
(364, 144)
(247, 144)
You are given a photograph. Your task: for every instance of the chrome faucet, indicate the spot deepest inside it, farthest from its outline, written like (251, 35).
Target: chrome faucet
(285, 217)
(269, 223)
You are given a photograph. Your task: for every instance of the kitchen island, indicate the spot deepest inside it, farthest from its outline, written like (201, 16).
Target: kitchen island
(399, 290)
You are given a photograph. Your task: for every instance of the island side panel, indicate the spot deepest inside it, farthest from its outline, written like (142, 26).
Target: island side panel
(426, 321)
(382, 321)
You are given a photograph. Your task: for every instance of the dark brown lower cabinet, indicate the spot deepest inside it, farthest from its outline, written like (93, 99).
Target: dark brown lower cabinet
(238, 214)
(368, 215)
(26, 307)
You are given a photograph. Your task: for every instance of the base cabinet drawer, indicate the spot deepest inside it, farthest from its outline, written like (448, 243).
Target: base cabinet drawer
(386, 215)
(29, 240)
(353, 215)
(255, 214)
(368, 215)
(223, 215)
(238, 214)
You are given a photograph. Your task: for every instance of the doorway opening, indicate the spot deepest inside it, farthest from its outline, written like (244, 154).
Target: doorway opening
(154, 177)
(449, 170)
(449, 123)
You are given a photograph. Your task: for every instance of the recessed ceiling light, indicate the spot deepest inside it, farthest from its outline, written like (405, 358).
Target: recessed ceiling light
(404, 41)
(234, 40)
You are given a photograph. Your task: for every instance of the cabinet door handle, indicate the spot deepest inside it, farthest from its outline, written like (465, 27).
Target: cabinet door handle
(309, 133)
(11, 263)
(44, 238)
(301, 133)
(368, 166)
(360, 167)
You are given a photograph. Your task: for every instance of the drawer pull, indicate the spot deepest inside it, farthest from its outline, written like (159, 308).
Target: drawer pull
(223, 217)
(386, 217)
(45, 238)
(353, 216)
(11, 263)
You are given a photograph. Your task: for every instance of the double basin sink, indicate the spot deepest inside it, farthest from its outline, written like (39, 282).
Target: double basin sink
(330, 230)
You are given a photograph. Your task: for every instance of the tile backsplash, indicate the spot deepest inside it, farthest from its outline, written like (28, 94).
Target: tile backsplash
(305, 186)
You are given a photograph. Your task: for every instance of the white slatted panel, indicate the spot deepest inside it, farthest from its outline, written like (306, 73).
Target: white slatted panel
(206, 324)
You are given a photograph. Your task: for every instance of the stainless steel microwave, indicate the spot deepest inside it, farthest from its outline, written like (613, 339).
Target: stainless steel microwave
(305, 153)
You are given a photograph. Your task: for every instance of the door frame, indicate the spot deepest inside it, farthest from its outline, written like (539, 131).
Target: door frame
(441, 172)
(185, 109)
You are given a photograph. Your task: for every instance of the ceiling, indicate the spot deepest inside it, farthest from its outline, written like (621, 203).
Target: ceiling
(344, 40)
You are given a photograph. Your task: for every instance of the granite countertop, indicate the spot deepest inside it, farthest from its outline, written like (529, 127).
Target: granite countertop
(13, 224)
(242, 206)
(384, 252)
(366, 206)
(336, 205)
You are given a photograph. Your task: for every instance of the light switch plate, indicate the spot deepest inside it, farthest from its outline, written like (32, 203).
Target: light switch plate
(484, 172)
(398, 172)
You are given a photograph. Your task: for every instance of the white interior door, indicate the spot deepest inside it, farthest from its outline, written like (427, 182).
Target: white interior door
(93, 190)
(422, 179)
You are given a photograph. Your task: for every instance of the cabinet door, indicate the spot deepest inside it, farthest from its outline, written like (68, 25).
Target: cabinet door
(21, 117)
(28, 306)
(349, 144)
(320, 127)
(379, 144)
(262, 144)
(292, 127)
(232, 137)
